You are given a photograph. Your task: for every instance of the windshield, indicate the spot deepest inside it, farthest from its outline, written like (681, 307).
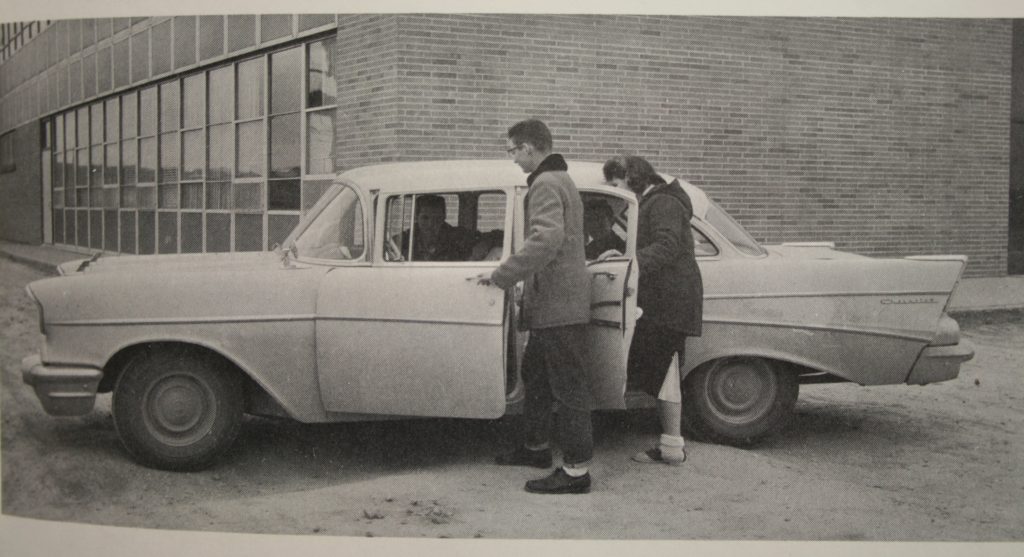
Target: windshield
(337, 232)
(732, 230)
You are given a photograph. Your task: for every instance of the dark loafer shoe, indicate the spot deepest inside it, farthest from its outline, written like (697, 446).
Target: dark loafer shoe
(521, 456)
(560, 482)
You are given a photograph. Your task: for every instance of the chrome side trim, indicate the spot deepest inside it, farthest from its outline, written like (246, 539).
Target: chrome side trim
(753, 296)
(256, 319)
(852, 330)
(183, 320)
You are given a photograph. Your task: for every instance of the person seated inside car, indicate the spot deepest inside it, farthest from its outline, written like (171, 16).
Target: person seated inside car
(488, 246)
(433, 238)
(598, 218)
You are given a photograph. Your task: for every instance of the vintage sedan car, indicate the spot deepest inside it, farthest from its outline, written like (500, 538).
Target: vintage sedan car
(345, 322)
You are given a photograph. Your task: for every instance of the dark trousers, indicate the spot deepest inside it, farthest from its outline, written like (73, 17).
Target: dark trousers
(553, 370)
(650, 354)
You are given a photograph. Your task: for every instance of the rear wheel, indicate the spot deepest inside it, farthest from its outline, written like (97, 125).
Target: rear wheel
(177, 410)
(738, 400)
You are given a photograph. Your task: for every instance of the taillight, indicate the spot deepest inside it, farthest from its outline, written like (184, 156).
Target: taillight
(948, 332)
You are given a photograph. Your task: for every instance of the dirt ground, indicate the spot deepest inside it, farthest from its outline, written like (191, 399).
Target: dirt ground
(898, 463)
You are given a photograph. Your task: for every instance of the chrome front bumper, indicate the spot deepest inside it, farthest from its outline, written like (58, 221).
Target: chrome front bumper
(63, 390)
(940, 363)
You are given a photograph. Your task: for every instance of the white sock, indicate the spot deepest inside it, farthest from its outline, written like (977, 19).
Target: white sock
(671, 445)
(575, 470)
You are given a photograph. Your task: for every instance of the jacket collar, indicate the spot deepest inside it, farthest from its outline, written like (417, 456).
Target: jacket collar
(553, 162)
(659, 188)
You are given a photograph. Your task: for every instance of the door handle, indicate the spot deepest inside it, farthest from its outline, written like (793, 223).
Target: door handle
(606, 274)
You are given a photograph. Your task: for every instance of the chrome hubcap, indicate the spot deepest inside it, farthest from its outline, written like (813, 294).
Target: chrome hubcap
(179, 409)
(741, 391)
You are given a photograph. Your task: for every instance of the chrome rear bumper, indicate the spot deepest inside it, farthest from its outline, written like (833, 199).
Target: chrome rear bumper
(63, 390)
(940, 363)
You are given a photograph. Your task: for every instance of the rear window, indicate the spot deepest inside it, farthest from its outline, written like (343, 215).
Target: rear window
(732, 230)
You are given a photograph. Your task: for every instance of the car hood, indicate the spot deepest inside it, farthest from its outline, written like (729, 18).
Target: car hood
(164, 264)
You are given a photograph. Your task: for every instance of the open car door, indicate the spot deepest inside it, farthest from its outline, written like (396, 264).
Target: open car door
(612, 302)
(408, 337)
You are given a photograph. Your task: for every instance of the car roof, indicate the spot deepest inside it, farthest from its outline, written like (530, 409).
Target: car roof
(432, 176)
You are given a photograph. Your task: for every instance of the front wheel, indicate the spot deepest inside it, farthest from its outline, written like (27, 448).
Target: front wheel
(175, 410)
(738, 400)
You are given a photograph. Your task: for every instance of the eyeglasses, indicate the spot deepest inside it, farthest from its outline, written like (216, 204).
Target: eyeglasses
(513, 149)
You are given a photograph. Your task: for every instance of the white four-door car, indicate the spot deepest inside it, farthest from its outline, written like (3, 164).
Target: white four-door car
(343, 323)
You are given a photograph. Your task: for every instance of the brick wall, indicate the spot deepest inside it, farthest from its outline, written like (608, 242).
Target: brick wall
(21, 204)
(887, 136)
(369, 121)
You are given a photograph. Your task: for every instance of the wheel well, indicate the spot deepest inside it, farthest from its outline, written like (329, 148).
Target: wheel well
(120, 362)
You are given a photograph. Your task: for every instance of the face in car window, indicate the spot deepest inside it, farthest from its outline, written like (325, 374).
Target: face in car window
(446, 227)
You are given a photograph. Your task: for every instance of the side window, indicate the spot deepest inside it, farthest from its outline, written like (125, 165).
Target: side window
(337, 233)
(702, 246)
(604, 223)
(444, 226)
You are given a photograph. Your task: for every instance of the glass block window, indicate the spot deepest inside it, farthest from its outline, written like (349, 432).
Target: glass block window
(170, 106)
(211, 36)
(147, 160)
(226, 159)
(285, 81)
(110, 167)
(191, 233)
(248, 196)
(184, 41)
(113, 119)
(169, 150)
(121, 61)
(218, 232)
(58, 226)
(96, 166)
(219, 160)
(192, 195)
(193, 154)
(89, 75)
(129, 162)
(140, 56)
(312, 21)
(248, 232)
(75, 82)
(82, 228)
(320, 142)
(161, 55)
(284, 150)
(220, 95)
(279, 227)
(193, 106)
(88, 32)
(249, 152)
(250, 89)
(275, 26)
(284, 195)
(129, 115)
(127, 230)
(98, 120)
(147, 111)
(147, 232)
(110, 230)
(96, 229)
(320, 85)
(83, 127)
(168, 226)
(241, 32)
